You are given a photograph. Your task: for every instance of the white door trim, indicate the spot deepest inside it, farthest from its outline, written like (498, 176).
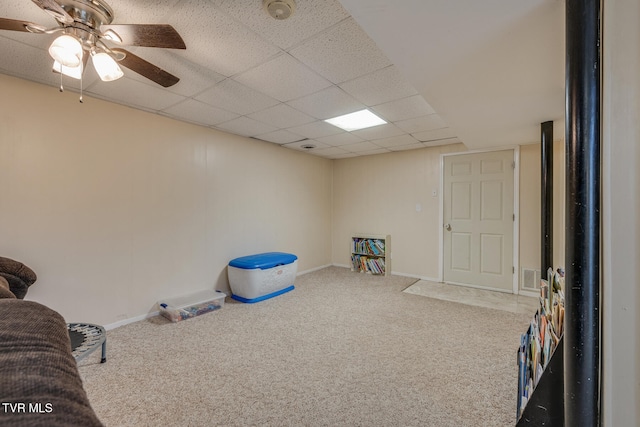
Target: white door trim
(516, 210)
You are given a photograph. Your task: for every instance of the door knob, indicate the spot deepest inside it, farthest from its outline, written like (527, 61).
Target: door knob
(448, 227)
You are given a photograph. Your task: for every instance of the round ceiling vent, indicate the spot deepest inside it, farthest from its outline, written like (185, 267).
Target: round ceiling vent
(280, 9)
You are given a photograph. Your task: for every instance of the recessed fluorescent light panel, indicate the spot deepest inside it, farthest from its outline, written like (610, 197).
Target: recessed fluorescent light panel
(358, 120)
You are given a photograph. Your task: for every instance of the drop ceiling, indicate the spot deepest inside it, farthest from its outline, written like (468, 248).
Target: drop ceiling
(438, 72)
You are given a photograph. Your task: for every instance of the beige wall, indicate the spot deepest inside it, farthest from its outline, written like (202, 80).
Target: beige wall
(378, 194)
(621, 214)
(115, 208)
(530, 199)
(130, 207)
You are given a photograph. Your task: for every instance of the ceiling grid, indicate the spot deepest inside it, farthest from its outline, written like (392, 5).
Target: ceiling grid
(247, 73)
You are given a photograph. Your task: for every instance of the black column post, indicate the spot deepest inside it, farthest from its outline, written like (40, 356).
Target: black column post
(582, 239)
(546, 199)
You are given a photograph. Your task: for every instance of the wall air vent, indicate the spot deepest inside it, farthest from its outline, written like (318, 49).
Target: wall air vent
(530, 279)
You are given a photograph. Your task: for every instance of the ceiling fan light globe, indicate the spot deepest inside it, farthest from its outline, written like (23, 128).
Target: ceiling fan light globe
(74, 72)
(106, 67)
(66, 50)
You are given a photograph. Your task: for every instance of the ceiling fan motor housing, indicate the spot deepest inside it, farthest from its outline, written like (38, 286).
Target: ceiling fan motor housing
(280, 9)
(88, 16)
(92, 13)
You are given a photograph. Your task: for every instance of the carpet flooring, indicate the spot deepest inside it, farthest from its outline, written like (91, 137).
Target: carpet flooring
(342, 349)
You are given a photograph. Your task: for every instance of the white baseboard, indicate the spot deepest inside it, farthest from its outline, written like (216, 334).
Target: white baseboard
(395, 273)
(312, 269)
(341, 265)
(529, 293)
(119, 323)
(155, 313)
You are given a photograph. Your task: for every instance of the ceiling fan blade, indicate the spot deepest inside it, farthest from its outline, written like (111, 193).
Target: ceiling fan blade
(146, 69)
(15, 25)
(148, 35)
(54, 9)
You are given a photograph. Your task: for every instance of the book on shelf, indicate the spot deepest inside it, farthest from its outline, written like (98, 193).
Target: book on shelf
(366, 264)
(542, 337)
(367, 246)
(368, 253)
(372, 248)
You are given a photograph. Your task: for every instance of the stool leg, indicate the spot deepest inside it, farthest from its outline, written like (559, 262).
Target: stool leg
(104, 351)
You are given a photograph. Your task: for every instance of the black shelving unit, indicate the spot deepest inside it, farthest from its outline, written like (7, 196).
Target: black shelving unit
(546, 404)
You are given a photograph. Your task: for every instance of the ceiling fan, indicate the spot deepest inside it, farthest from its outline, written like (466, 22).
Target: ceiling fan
(85, 27)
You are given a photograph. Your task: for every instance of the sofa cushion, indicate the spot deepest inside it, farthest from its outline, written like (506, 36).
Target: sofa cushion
(19, 276)
(37, 369)
(5, 290)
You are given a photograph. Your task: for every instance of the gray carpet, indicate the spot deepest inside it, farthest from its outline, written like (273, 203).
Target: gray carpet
(342, 349)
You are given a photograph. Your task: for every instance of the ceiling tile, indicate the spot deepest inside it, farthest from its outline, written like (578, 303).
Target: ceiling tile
(283, 78)
(331, 152)
(29, 62)
(316, 129)
(233, 96)
(327, 103)
(36, 64)
(198, 112)
(403, 109)
(422, 123)
(342, 53)
(230, 48)
(226, 38)
(246, 127)
(431, 135)
(194, 78)
(25, 11)
(372, 152)
(309, 18)
(406, 147)
(143, 11)
(30, 12)
(131, 92)
(379, 87)
(40, 41)
(362, 146)
(281, 137)
(378, 132)
(245, 73)
(345, 156)
(282, 116)
(299, 145)
(396, 141)
(340, 139)
(446, 141)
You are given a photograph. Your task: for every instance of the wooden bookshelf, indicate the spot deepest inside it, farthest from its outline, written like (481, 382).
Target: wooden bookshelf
(371, 253)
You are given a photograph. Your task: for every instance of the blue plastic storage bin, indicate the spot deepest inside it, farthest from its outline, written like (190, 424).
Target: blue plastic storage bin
(262, 276)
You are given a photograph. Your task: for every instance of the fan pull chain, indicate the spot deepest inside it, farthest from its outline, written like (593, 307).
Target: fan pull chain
(81, 75)
(61, 88)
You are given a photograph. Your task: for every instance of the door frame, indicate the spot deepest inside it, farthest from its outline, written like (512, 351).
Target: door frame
(516, 211)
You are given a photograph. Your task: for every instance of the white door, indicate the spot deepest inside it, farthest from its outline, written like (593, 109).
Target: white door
(478, 219)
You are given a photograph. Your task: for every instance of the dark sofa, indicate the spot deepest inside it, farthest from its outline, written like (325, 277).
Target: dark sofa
(39, 380)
